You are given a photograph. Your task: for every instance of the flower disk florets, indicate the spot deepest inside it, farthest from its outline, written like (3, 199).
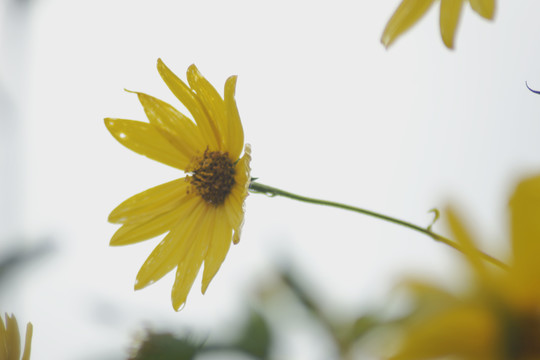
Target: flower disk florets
(212, 176)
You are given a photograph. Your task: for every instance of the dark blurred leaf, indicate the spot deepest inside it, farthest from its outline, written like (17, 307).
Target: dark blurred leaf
(18, 258)
(256, 338)
(165, 346)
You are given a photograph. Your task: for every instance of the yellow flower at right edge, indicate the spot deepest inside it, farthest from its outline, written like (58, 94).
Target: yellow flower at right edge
(498, 318)
(10, 340)
(410, 11)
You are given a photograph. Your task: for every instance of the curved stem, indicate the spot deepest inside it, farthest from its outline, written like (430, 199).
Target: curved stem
(272, 191)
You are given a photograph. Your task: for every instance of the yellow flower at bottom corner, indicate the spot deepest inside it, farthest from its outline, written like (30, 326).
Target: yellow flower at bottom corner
(201, 212)
(409, 13)
(10, 340)
(497, 317)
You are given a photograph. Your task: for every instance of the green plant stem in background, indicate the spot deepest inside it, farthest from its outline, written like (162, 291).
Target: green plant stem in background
(256, 187)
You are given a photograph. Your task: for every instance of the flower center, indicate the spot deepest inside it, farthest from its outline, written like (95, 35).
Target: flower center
(212, 176)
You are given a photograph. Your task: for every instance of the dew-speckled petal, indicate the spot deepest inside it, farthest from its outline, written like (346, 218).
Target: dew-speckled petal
(143, 139)
(179, 130)
(173, 248)
(405, 16)
(134, 232)
(190, 265)
(235, 132)
(191, 102)
(211, 102)
(218, 249)
(151, 202)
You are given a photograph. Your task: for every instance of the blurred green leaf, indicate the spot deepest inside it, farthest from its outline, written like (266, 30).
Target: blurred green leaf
(256, 338)
(165, 346)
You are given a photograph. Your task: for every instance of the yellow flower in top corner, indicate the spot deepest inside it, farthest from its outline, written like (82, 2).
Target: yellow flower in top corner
(498, 317)
(410, 11)
(10, 340)
(201, 212)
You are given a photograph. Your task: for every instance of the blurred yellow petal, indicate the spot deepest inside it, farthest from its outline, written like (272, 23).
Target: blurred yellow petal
(28, 342)
(145, 140)
(191, 101)
(525, 217)
(235, 132)
(406, 15)
(449, 18)
(172, 249)
(151, 202)
(468, 332)
(173, 125)
(219, 246)
(13, 339)
(466, 242)
(139, 231)
(484, 8)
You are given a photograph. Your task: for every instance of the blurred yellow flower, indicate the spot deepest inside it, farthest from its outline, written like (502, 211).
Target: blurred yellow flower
(410, 11)
(203, 211)
(498, 317)
(10, 340)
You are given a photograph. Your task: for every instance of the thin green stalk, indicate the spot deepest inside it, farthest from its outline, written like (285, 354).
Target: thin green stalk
(272, 191)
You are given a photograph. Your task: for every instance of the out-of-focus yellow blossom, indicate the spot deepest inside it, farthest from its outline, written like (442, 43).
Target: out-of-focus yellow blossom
(201, 212)
(410, 11)
(10, 340)
(498, 317)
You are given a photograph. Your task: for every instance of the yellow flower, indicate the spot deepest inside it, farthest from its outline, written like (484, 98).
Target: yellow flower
(203, 211)
(498, 317)
(10, 340)
(410, 11)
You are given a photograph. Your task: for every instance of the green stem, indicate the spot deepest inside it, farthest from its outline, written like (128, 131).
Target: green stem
(272, 191)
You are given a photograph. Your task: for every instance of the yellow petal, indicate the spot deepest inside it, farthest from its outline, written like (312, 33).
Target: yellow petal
(190, 265)
(234, 212)
(239, 193)
(211, 102)
(173, 248)
(467, 244)
(151, 202)
(13, 338)
(28, 342)
(235, 132)
(191, 102)
(449, 18)
(173, 125)
(142, 138)
(218, 249)
(135, 232)
(484, 8)
(405, 16)
(525, 217)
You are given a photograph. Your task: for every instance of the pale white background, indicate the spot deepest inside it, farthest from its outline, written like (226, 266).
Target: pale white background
(328, 111)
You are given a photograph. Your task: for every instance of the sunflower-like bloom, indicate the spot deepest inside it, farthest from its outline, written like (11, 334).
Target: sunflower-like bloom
(410, 11)
(201, 212)
(498, 316)
(10, 340)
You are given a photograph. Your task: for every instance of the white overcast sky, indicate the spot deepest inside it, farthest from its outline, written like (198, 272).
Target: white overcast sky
(329, 113)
